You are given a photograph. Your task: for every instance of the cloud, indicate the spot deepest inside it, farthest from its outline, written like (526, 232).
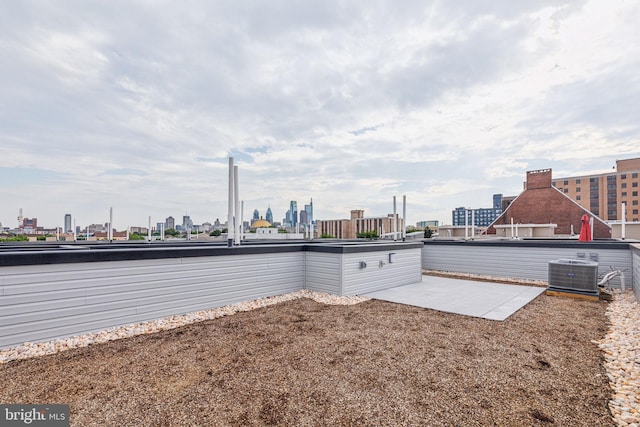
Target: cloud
(137, 105)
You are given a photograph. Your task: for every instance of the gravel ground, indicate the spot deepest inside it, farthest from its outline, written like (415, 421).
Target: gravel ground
(301, 362)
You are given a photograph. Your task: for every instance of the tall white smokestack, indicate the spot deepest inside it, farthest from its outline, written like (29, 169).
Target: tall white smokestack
(404, 217)
(236, 196)
(230, 210)
(466, 225)
(110, 234)
(241, 219)
(395, 221)
(149, 229)
(473, 223)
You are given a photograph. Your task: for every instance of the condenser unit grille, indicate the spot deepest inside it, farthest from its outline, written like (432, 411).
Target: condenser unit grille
(574, 274)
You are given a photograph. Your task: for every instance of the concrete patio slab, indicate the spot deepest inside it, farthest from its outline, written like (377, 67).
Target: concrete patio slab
(495, 301)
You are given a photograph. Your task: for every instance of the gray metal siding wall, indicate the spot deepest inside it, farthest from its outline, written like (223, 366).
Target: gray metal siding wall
(323, 272)
(635, 272)
(42, 302)
(518, 262)
(405, 270)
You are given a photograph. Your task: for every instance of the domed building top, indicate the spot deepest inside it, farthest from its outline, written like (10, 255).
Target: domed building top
(261, 223)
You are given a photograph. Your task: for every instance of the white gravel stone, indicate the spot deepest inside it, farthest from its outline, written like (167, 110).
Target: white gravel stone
(28, 349)
(621, 348)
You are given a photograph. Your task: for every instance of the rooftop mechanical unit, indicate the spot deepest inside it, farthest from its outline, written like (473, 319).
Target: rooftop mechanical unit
(574, 276)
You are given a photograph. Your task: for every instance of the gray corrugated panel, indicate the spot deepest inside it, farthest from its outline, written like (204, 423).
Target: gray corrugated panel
(39, 273)
(323, 272)
(44, 332)
(635, 272)
(61, 279)
(519, 262)
(79, 320)
(105, 271)
(148, 293)
(405, 270)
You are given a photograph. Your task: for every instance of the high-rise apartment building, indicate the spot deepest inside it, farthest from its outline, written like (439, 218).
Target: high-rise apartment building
(481, 217)
(603, 194)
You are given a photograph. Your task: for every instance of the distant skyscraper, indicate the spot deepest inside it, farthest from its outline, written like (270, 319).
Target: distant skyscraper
(256, 215)
(170, 222)
(293, 213)
(309, 213)
(303, 217)
(67, 224)
(187, 223)
(269, 216)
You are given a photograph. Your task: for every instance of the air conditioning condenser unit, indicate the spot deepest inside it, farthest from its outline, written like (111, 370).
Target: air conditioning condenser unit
(574, 275)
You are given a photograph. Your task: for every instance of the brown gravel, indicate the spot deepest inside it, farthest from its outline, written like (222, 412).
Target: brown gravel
(305, 363)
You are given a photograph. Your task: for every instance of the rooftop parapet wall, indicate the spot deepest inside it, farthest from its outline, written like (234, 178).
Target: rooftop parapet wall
(45, 294)
(529, 259)
(628, 165)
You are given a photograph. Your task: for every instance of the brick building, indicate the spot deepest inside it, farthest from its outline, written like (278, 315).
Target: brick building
(604, 193)
(542, 203)
(349, 228)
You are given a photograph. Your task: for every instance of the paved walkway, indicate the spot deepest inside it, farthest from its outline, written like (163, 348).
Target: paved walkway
(495, 301)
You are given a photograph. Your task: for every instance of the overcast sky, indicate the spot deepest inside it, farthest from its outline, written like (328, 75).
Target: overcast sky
(137, 105)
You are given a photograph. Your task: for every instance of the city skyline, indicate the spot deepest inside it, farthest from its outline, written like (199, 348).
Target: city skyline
(348, 103)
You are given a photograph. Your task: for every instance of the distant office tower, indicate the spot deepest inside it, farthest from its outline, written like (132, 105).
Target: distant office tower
(269, 216)
(170, 222)
(309, 213)
(303, 217)
(293, 213)
(256, 215)
(187, 223)
(67, 224)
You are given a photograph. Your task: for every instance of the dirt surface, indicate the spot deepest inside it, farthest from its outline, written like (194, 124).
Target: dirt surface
(305, 363)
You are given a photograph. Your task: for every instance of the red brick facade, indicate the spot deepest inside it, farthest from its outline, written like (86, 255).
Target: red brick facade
(541, 203)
